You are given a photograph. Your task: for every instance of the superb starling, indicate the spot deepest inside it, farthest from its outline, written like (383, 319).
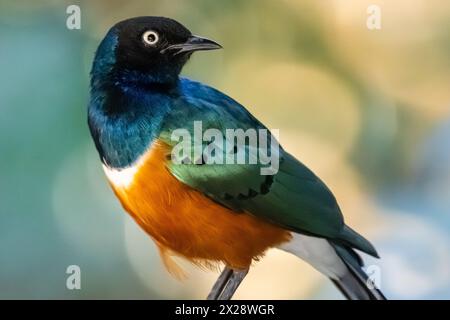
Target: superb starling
(207, 212)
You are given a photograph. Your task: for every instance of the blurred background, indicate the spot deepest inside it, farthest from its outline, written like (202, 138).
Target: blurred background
(367, 110)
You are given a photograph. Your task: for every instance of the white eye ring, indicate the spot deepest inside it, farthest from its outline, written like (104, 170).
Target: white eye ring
(150, 37)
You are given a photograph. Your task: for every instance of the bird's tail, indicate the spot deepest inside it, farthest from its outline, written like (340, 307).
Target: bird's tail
(355, 284)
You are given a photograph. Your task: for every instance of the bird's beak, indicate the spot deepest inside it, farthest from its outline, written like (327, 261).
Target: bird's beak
(193, 43)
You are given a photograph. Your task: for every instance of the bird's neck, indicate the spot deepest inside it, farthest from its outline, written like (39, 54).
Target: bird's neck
(126, 80)
(126, 114)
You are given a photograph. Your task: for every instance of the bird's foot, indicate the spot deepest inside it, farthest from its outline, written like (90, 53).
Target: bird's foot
(227, 284)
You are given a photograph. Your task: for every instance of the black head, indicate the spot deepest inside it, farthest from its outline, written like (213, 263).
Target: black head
(154, 46)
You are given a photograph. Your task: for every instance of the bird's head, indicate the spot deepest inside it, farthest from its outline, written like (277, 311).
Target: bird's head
(149, 48)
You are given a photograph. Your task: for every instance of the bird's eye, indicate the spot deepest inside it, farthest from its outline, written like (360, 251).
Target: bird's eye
(150, 37)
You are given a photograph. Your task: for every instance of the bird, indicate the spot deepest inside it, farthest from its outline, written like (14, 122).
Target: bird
(211, 214)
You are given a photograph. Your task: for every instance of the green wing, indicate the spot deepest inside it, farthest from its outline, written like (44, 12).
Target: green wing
(294, 198)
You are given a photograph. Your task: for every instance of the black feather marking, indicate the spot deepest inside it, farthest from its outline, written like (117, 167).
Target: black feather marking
(227, 196)
(252, 193)
(265, 186)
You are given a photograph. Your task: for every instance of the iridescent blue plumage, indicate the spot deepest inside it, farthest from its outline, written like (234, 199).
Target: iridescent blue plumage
(124, 136)
(124, 116)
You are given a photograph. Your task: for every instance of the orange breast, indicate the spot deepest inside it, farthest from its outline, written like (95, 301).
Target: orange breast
(183, 221)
